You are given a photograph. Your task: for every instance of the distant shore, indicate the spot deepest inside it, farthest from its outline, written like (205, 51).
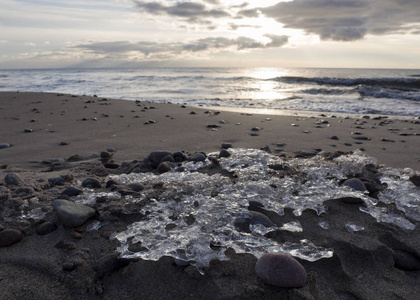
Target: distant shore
(59, 126)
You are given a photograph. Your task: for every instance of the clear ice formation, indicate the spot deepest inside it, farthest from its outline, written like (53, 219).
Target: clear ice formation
(193, 217)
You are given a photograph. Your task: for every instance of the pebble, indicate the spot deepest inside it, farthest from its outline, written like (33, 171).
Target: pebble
(180, 157)
(226, 146)
(71, 191)
(406, 261)
(13, 179)
(46, 228)
(9, 237)
(415, 179)
(224, 153)
(355, 184)
(280, 270)
(4, 145)
(197, 157)
(164, 167)
(73, 214)
(27, 130)
(91, 183)
(157, 156)
(56, 181)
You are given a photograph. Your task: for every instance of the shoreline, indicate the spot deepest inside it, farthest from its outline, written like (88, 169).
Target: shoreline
(60, 126)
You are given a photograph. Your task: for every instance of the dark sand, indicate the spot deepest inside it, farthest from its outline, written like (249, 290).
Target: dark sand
(69, 264)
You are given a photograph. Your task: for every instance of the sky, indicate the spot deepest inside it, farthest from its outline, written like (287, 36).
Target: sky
(210, 33)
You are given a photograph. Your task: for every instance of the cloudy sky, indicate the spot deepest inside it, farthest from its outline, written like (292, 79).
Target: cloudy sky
(203, 33)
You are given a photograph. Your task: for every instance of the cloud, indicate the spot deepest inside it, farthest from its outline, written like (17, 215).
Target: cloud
(191, 11)
(347, 20)
(169, 50)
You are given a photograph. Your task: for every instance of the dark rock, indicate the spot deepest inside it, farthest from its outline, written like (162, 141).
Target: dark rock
(110, 263)
(415, 179)
(46, 228)
(406, 261)
(24, 191)
(168, 158)
(335, 138)
(13, 179)
(280, 270)
(197, 157)
(213, 126)
(56, 181)
(27, 130)
(157, 156)
(92, 183)
(136, 187)
(180, 157)
(255, 129)
(73, 214)
(224, 153)
(112, 166)
(226, 146)
(9, 237)
(243, 221)
(164, 167)
(64, 143)
(361, 138)
(355, 184)
(106, 155)
(4, 145)
(71, 191)
(111, 183)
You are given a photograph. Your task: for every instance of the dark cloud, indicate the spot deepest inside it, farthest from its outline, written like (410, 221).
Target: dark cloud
(347, 20)
(185, 10)
(212, 44)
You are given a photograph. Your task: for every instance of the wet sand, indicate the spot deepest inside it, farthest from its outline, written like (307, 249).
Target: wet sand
(45, 130)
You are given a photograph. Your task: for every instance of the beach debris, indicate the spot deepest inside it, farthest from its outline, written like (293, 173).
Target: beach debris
(8, 237)
(72, 214)
(280, 270)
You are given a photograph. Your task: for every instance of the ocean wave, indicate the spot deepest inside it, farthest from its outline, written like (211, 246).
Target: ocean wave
(397, 83)
(327, 91)
(387, 94)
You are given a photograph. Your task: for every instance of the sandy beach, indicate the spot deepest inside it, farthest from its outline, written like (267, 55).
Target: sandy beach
(48, 136)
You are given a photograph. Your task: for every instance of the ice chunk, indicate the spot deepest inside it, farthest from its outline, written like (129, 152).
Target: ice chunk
(324, 225)
(351, 227)
(192, 217)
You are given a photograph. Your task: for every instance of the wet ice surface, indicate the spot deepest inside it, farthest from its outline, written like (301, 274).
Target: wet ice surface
(192, 218)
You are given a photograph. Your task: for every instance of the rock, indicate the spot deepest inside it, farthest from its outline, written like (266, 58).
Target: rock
(137, 187)
(71, 191)
(110, 263)
(56, 181)
(164, 167)
(415, 179)
(406, 261)
(197, 157)
(180, 157)
(224, 153)
(27, 130)
(355, 184)
(13, 179)
(46, 228)
(157, 156)
(4, 145)
(280, 270)
(168, 158)
(9, 237)
(92, 183)
(243, 221)
(226, 146)
(335, 138)
(73, 214)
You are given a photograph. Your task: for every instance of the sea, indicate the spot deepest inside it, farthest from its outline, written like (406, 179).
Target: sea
(389, 92)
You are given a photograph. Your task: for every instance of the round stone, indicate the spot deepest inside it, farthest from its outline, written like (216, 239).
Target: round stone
(164, 167)
(73, 214)
(91, 183)
(72, 191)
(13, 179)
(355, 184)
(9, 237)
(4, 145)
(197, 157)
(224, 153)
(280, 270)
(157, 156)
(46, 228)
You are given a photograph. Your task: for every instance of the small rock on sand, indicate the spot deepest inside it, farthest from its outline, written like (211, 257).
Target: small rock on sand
(280, 270)
(91, 183)
(45, 228)
(4, 145)
(13, 179)
(73, 214)
(9, 237)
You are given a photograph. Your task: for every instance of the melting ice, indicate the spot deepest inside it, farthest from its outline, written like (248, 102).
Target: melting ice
(192, 219)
